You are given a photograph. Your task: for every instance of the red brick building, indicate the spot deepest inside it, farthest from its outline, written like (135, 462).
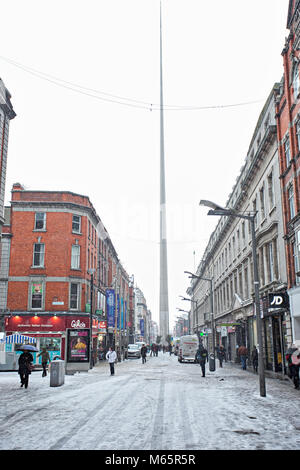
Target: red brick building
(288, 134)
(57, 247)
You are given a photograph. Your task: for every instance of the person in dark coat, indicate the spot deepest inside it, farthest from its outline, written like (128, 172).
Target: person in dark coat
(293, 369)
(45, 360)
(243, 353)
(254, 358)
(221, 354)
(201, 357)
(144, 353)
(25, 363)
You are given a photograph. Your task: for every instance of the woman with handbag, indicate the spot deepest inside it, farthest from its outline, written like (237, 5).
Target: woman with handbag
(25, 367)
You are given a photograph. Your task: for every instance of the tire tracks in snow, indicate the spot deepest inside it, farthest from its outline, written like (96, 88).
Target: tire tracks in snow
(158, 428)
(92, 413)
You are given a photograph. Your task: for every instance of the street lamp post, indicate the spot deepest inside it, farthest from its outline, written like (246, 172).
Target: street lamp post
(194, 276)
(215, 209)
(193, 301)
(91, 272)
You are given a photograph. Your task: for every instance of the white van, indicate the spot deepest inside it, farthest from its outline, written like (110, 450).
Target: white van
(188, 346)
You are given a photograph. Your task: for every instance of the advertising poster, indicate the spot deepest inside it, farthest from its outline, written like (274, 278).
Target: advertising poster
(118, 311)
(142, 327)
(122, 313)
(110, 300)
(78, 345)
(125, 314)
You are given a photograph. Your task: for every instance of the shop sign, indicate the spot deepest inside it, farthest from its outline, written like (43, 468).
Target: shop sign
(77, 324)
(223, 331)
(278, 300)
(34, 323)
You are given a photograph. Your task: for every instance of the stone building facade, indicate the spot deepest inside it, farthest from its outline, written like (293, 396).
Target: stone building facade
(227, 259)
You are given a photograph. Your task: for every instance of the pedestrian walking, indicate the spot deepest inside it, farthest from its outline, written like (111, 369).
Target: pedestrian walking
(293, 360)
(25, 367)
(143, 353)
(170, 349)
(254, 358)
(111, 357)
(243, 353)
(201, 357)
(45, 360)
(221, 354)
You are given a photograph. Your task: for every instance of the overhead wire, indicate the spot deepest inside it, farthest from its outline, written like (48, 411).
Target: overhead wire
(117, 99)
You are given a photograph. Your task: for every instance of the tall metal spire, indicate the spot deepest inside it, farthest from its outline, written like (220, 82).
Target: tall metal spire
(163, 292)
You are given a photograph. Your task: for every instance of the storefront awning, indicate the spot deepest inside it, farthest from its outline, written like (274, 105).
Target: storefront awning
(19, 339)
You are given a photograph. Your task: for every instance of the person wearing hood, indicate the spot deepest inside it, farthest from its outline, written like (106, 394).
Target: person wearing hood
(25, 364)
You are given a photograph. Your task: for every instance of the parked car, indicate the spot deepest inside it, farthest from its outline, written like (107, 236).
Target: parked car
(134, 350)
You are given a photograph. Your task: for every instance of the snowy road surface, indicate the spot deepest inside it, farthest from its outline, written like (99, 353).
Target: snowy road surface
(160, 405)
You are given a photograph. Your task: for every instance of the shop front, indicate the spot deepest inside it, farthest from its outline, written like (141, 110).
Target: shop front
(49, 330)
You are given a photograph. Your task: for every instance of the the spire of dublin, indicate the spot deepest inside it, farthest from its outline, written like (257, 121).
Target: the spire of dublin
(163, 288)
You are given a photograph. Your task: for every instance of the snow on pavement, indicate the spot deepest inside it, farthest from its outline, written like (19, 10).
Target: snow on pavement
(160, 405)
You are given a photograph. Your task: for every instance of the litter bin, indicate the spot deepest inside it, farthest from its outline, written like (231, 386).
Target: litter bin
(57, 373)
(212, 362)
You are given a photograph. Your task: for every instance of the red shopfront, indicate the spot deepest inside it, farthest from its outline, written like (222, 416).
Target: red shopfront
(49, 330)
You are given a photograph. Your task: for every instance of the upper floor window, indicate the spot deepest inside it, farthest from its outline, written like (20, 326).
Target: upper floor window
(38, 255)
(76, 224)
(291, 201)
(36, 295)
(74, 296)
(271, 262)
(298, 134)
(40, 221)
(75, 257)
(296, 81)
(287, 151)
(262, 202)
(271, 191)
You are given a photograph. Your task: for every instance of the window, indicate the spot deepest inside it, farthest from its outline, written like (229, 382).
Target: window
(255, 211)
(271, 191)
(295, 246)
(243, 232)
(291, 201)
(40, 221)
(262, 203)
(75, 257)
(74, 296)
(76, 224)
(298, 134)
(296, 81)
(36, 295)
(271, 262)
(287, 151)
(38, 255)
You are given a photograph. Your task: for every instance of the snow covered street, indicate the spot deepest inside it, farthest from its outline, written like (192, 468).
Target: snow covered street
(160, 405)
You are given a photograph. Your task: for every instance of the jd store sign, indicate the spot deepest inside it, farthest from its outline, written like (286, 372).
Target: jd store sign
(278, 300)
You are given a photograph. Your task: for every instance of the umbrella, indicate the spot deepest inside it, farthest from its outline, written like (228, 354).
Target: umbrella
(27, 347)
(296, 357)
(291, 350)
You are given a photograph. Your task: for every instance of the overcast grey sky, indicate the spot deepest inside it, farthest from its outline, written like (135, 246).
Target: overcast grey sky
(106, 145)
